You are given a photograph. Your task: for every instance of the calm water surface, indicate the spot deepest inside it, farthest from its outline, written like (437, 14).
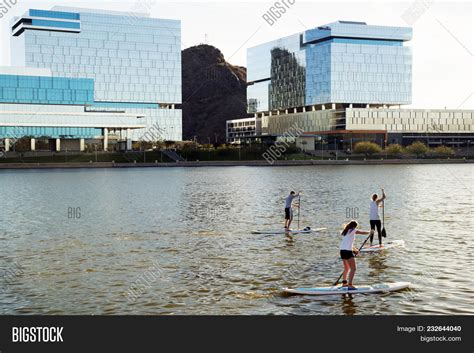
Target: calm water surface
(192, 227)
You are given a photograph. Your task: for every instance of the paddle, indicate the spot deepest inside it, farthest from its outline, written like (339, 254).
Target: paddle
(339, 278)
(299, 203)
(384, 233)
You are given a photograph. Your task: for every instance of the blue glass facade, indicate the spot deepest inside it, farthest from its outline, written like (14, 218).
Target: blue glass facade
(49, 132)
(133, 62)
(365, 41)
(46, 90)
(54, 14)
(342, 62)
(131, 59)
(48, 23)
(126, 105)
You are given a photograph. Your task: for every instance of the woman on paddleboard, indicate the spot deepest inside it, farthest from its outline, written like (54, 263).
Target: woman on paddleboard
(348, 252)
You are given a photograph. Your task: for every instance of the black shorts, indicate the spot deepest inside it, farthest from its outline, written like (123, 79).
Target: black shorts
(346, 254)
(288, 214)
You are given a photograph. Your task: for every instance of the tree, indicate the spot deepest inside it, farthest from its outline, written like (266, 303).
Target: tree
(417, 148)
(169, 143)
(394, 149)
(367, 148)
(159, 144)
(444, 151)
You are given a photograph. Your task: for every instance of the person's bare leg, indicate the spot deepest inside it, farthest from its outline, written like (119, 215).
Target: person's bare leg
(353, 267)
(346, 270)
(289, 223)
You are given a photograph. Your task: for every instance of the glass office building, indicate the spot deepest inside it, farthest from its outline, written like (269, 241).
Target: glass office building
(342, 62)
(46, 90)
(30, 91)
(112, 63)
(37, 105)
(342, 83)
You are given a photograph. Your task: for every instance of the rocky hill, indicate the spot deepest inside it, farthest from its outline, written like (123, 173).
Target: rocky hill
(213, 91)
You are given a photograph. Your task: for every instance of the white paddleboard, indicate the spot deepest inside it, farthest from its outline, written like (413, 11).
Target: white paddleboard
(338, 290)
(387, 245)
(285, 231)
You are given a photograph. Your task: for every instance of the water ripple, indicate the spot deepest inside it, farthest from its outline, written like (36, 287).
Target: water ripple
(188, 231)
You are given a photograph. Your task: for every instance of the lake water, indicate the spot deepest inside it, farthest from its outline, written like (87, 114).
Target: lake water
(74, 241)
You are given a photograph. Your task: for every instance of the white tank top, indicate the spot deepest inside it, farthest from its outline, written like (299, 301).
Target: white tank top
(347, 242)
(374, 211)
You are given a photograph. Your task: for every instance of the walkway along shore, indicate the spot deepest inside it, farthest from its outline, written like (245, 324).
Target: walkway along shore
(261, 163)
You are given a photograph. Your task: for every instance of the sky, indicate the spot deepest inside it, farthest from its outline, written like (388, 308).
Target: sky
(442, 44)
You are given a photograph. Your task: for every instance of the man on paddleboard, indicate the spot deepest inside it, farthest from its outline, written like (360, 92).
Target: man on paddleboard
(288, 211)
(375, 217)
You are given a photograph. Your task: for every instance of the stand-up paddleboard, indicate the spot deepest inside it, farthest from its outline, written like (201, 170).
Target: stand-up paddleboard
(338, 290)
(285, 231)
(387, 245)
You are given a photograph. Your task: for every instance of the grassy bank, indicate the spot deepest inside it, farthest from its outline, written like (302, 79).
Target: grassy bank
(210, 155)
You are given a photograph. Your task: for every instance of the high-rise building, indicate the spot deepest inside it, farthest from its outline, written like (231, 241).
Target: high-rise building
(342, 62)
(126, 65)
(342, 83)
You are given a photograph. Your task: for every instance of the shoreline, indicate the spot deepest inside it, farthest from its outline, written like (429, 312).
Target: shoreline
(257, 163)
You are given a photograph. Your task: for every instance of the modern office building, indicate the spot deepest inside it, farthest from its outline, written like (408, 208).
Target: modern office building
(242, 128)
(36, 105)
(92, 74)
(342, 83)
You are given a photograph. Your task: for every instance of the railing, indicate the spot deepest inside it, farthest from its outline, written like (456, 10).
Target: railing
(172, 154)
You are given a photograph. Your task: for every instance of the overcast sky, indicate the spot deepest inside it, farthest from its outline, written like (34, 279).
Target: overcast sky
(442, 33)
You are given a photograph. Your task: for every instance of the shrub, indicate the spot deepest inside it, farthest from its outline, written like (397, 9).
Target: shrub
(394, 149)
(159, 144)
(169, 143)
(367, 148)
(224, 153)
(291, 149)
(417, 148)
(443, 151)
(189, 147)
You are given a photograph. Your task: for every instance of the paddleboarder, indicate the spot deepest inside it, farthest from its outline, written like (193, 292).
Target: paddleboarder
(374, 216)
(288, 210)
(348, 252)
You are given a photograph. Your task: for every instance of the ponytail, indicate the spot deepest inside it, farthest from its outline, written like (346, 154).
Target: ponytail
(349, 226)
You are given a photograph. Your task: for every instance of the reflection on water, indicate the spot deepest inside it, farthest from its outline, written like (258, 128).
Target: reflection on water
(195, 224)
(290, 239)
(348, 305)
(377, 263)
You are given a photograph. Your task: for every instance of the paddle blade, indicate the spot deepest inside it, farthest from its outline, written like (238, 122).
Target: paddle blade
(384, 233)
